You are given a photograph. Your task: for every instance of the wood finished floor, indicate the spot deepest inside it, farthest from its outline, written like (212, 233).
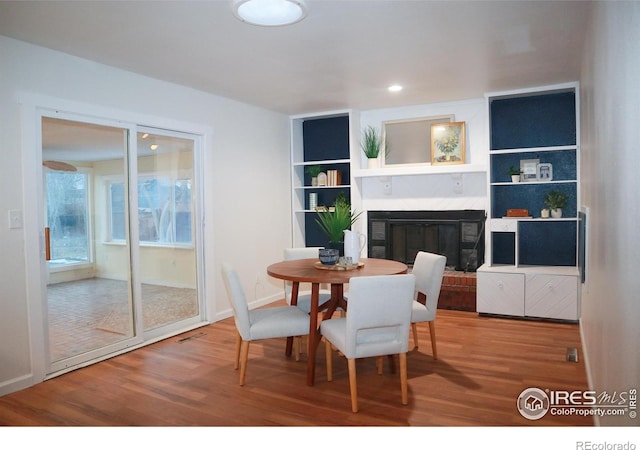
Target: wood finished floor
(484, 364)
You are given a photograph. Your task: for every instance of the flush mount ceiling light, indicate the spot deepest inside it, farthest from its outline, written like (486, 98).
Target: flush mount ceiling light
(270, 13)
(395, 88)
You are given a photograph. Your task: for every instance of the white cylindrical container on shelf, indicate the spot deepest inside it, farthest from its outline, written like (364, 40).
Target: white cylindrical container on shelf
(313, 200)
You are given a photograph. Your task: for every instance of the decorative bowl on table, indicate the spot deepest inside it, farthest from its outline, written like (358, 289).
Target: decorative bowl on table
(328, 256)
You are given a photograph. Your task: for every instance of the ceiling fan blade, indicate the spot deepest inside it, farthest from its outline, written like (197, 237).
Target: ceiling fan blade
(59, 165)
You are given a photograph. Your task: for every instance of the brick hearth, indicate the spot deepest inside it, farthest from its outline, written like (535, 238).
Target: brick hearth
(458, 291)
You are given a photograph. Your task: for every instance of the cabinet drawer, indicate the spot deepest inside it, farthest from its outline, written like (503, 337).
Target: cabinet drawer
(500, 293)
(504, 225)
(552, 296)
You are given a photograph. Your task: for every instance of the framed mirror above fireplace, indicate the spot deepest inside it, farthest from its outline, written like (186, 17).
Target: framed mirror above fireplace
(408, 141)
(456, 234)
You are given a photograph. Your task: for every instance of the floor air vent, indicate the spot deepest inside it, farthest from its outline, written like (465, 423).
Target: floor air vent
(572, 354)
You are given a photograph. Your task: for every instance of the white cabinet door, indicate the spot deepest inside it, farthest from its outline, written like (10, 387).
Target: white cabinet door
(551, 296)
(500, 293)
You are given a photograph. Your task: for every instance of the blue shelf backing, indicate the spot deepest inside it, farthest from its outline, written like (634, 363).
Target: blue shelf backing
(548, 243)
(503, 248)
(543, 120)
(326, 138)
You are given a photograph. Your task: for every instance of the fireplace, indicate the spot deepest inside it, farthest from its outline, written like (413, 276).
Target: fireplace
(456, 234)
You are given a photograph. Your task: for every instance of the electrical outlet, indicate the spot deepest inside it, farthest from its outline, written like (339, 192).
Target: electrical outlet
(458, 187)
(386, 185)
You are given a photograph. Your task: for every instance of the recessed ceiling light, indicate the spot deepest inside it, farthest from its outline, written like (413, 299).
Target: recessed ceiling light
(270, 13)
(395, 88)
(153, 146)
(145, 135)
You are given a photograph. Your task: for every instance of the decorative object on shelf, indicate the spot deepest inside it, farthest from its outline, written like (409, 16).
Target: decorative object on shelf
(529, 169)
(518, 212)
(333, 223)
(448, 143)
(322, 179)
(313, 172)
(328, 256)
(371, 145)
(556, 200)
(515, 174)
(313, 200)
(544, 213)
(544, 172)
(334, 177)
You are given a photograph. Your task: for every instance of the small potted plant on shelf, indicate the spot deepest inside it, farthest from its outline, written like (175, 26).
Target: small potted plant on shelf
(313, 172)
(333, 223)
(371, 146)
(515, 174)
(556, 200)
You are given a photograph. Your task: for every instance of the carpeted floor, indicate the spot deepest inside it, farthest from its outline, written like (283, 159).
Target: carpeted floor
(88, 314)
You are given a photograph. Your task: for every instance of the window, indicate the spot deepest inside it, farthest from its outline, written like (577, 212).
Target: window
(67, 218)
(164, 210)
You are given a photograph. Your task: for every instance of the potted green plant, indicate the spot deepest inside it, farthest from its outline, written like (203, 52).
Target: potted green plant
(371, 146)
(333, 223)
(313, 172)
(515, 174)
(556, 200)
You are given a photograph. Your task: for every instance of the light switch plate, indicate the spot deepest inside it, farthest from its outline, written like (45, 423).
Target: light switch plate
(15, 219)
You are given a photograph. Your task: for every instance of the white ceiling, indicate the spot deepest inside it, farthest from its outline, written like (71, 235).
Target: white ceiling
(343, 55)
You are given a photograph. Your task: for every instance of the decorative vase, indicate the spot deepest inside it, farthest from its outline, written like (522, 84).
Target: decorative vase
(556, 213)
(328, 256)
(314, 181)
(313, 200)
(372, 163)
(544, 213)
(515, 178)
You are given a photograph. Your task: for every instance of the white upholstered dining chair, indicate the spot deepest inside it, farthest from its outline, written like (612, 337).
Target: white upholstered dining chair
(429, 270)
(304, 294)
(261, 323)
(377, 324)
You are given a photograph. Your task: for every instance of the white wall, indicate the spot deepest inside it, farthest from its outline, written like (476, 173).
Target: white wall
(246, 177)
(432, 191)
(610, 85)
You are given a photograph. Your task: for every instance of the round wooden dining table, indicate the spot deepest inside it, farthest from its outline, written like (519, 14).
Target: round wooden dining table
(311, 271)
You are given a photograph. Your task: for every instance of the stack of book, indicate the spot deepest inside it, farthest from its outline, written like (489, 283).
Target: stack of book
(334, 178)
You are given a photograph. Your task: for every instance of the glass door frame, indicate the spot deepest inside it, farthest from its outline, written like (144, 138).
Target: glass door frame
(32, 108)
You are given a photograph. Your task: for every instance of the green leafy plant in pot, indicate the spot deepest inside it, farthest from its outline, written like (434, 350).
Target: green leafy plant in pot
(333, 223)
(556, 201)
(313, 172)
(371, 145)
(515, 174)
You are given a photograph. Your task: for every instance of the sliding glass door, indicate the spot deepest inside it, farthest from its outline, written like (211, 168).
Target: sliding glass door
(120, 217)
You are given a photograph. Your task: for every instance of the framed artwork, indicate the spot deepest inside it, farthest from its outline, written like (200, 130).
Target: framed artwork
(529, 169)
(545, 172)
(448, 143)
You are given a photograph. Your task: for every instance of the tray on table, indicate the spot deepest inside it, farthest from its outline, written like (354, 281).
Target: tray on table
(319, 265)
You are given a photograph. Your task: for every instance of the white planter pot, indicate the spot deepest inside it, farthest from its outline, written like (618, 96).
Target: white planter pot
(556, 213)
(515, 178)
(372, 163)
